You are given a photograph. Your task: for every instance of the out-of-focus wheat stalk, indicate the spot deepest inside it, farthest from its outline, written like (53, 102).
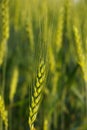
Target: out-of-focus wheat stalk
(13, 87)
(13, 84)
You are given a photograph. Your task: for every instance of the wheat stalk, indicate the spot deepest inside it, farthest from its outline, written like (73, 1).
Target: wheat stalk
(36, 97)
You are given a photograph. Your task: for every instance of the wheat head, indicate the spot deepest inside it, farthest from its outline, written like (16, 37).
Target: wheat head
(3, 112)
(36, 97)
(4, 28)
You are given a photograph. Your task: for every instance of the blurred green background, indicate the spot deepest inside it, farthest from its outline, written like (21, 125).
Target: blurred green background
(44, 28)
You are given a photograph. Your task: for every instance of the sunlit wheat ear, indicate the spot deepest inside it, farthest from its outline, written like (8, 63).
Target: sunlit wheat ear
(82, 60)
(3, 113)
(59, 33)
(80, 53)
(4, 28)
(14, 82)
(36, 97)
(29, 31)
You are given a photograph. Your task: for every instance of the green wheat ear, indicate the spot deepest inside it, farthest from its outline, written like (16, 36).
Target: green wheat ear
(4, 28)
(80, 53)
(3, 112)
(36, 97)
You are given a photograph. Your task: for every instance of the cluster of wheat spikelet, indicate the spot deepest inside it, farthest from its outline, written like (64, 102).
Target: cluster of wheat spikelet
(36, 97)
(3, 113)
(4, 28)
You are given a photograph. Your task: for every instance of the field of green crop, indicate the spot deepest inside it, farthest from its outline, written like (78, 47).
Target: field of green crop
(43, 64)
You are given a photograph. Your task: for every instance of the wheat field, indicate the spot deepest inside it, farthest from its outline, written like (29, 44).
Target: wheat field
(43, 65)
